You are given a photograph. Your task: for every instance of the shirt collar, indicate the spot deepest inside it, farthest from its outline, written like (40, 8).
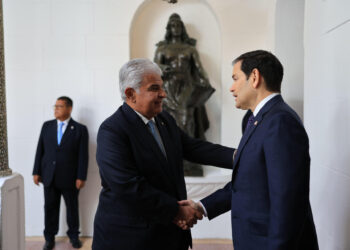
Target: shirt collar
(263, 102)
(65, 122)
(144, 119)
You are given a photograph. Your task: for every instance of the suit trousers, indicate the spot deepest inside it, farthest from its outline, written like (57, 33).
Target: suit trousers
(154, 237)
(52, 197)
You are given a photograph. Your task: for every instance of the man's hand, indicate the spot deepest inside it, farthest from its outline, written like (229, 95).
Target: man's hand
(37, 179)
(79, 184)
(189, 213)
(191, 203)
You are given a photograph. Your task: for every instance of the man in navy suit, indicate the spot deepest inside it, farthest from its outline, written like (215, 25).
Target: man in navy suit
(269, 192)
(61, 163)
(140, 152)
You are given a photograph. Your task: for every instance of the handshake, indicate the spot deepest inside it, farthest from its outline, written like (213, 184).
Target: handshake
(188, 214)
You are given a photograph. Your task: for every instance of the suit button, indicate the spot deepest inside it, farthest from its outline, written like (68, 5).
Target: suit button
(234, 190)
(54, 162)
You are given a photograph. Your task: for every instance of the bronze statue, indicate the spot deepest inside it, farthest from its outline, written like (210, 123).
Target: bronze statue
(186, 83)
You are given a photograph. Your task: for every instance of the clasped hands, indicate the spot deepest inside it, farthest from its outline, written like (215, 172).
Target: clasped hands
(188, 215)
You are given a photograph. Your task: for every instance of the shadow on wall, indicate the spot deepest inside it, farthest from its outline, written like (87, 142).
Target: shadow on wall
(88, 197)
(298, 106)
(343, 153)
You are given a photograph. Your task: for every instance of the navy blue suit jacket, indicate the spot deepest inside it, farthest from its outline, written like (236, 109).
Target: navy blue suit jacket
(61, 165)
(140, 187)
(269, 192)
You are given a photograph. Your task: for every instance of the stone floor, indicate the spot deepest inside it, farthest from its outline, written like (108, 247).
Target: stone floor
(62, 243)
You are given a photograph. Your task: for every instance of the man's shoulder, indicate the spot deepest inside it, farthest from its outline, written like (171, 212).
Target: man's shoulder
(77, 124)
(114, 120)
(115, 126)
(282, 115)
(49, 123)
(282, 109)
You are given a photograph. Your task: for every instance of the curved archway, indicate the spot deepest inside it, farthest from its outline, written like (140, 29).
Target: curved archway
(148, 28)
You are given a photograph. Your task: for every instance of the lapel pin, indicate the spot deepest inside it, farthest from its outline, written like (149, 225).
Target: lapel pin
(256, 123)
(162, 123)
(72, 127)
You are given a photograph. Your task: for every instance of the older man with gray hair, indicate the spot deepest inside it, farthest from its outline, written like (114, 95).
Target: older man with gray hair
(140, 151)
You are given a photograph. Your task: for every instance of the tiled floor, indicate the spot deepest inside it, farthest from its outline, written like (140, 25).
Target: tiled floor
(62, 243)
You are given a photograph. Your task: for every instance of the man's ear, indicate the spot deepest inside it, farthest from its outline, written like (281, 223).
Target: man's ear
(130, 94)
(256, 78)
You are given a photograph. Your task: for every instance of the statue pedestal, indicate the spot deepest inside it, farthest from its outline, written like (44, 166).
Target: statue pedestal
(12, 236)
(213, 179)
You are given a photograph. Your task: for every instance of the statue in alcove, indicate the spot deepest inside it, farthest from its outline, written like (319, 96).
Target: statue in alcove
(186, 83)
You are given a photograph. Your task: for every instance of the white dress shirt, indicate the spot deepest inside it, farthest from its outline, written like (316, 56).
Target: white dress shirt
(263, 102)
(146, 120)
(65, 124)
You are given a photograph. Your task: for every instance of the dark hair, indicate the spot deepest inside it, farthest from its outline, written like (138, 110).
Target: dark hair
(67, 100)
(184, 36)
(268, 65)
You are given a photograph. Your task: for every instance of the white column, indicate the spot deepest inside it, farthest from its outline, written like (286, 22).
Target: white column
(12, 213)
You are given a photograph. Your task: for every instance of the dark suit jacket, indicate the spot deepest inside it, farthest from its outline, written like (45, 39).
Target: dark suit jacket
(270, 184)
(62, 164)
(141, 187)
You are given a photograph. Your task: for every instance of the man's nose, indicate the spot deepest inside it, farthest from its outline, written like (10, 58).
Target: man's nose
(232, 88)
(162, 93)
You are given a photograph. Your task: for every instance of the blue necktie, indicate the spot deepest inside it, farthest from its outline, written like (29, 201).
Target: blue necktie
(156, 136)
(59, 133)
(250, 122)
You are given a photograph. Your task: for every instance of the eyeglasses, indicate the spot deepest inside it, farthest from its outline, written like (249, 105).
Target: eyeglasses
(58, 106)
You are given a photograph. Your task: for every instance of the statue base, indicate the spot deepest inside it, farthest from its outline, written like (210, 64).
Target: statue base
(5, 172)
(213, 179)
(12, 235)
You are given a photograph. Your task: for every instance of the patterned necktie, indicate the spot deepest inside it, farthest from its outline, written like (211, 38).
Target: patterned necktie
(156, 136)
(250, 122)
(59, 133)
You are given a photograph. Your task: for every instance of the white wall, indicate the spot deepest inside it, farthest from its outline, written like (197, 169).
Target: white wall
(289, 48)
(327, 109)
(54, 48)
(75, 48)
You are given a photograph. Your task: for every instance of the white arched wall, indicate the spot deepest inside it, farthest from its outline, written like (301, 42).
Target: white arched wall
(76, 48)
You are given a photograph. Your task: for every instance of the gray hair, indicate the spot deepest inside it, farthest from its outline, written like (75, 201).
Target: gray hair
(131, 74)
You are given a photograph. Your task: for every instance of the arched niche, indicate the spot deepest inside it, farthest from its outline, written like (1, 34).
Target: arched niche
(148, 28)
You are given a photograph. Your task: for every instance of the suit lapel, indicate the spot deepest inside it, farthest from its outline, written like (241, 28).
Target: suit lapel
(68, 132)
(142, 133)
(145, 138)
(258, 119)
(168, 145)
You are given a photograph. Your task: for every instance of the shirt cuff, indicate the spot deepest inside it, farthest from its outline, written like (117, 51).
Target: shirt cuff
(204, 210)
(234, 154)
